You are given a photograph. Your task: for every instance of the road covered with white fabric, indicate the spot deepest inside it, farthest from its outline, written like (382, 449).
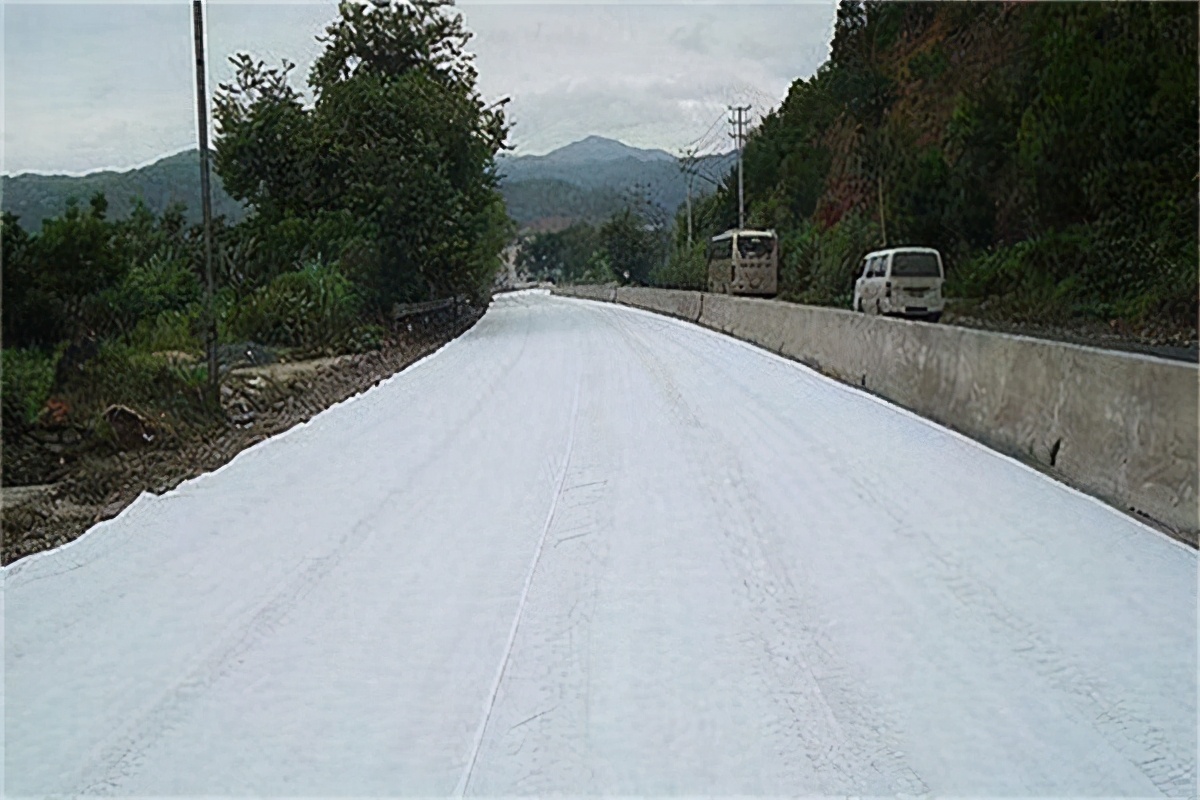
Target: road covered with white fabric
(587, 550)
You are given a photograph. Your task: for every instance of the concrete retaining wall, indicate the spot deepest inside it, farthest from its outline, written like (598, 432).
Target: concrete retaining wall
(685, 305)
(606, 293)
(1122, 427)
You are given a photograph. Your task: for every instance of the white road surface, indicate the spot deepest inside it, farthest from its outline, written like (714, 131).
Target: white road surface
(587, 550)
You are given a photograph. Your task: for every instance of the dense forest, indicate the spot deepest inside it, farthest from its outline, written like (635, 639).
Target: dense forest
(383, 191)
(1049, 150)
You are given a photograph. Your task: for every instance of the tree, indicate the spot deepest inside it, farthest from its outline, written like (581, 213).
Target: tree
(397, 137)
(634, 249)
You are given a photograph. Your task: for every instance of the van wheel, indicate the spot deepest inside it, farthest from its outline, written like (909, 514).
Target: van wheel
(935, 316)
(878, 309)
(858, 305)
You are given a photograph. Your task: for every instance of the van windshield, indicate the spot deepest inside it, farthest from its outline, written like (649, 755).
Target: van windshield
(754, 246)
(915, 265)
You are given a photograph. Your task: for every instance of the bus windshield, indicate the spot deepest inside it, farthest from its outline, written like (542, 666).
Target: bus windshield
(755, 246)
(915, 265)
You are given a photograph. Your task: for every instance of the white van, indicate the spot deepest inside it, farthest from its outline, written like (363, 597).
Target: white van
(903, 281)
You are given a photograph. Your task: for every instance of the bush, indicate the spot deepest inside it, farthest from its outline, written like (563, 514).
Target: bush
(124, 375)
(26, 376)
(170, 330)
(598, 271)
(819, 266)
(687, 269)
(146, 291)
(311, 309)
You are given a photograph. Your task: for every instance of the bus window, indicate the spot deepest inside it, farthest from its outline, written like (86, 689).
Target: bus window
(755, 246)
(720, 251)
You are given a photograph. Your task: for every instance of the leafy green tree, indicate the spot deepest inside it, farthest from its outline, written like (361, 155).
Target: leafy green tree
(1047, 149)
(560, 255)
(397, 137)
(634, 249)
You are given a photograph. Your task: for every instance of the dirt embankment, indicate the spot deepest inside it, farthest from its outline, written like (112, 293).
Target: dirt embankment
(258, 402)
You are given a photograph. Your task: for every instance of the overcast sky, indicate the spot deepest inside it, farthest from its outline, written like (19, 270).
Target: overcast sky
(97, 85)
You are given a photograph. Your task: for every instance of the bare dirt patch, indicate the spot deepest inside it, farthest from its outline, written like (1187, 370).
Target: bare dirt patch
(88, 485)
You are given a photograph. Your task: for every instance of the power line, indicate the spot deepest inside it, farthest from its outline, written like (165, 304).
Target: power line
(704, 136)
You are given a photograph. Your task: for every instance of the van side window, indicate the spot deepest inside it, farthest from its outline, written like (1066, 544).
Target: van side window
(874, 268)
(867, 262)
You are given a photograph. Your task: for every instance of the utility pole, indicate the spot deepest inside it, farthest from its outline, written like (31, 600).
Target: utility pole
(687, 164)
(740, 121)
(689, 212)
(206, 202)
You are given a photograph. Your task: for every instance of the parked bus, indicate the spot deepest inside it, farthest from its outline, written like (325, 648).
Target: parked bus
(744, 262)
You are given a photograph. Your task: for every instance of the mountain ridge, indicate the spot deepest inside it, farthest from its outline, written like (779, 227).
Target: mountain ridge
(586, 180)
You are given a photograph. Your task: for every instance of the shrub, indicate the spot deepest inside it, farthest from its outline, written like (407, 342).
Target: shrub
(146, 291)
(310, 309)
(687, 269)
(170, 330)
(598, 270)
(26, 376)
(122, 374)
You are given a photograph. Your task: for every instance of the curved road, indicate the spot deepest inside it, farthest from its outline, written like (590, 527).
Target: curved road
(587, 550)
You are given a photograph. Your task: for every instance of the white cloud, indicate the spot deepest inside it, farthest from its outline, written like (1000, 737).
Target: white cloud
(99, 85)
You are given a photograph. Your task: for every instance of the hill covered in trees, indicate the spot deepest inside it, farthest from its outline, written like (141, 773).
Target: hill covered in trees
(1049, 150)
(173, 180)
(380, 192)
(586, 181)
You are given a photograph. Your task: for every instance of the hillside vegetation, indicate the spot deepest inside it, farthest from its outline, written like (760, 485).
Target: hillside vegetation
(586, 181)
(382, 192)
(173, 181)
(1049, 150)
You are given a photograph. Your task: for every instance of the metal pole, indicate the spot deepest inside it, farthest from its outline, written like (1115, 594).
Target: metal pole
(206, 201)
(689, 215)
(739, 110)
(742, 212)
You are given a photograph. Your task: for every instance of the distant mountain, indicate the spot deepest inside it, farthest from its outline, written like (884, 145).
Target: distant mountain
(532, 185)
(595, 150)
(542, 199)
(588, 180)
(174, 179)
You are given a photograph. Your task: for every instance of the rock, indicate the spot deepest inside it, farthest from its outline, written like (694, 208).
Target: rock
(244, 419)
(130, 429)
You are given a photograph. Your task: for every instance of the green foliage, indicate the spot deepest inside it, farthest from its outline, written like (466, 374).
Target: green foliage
(598, 270)
(124, 375)
(633, 249)
(178, 331)
(146, 291)
(820, 266)
(398, 139)
(562, 256)
(687, 269)
(171, 181)
(1047, 149)
(27, 376)
(313, 309)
